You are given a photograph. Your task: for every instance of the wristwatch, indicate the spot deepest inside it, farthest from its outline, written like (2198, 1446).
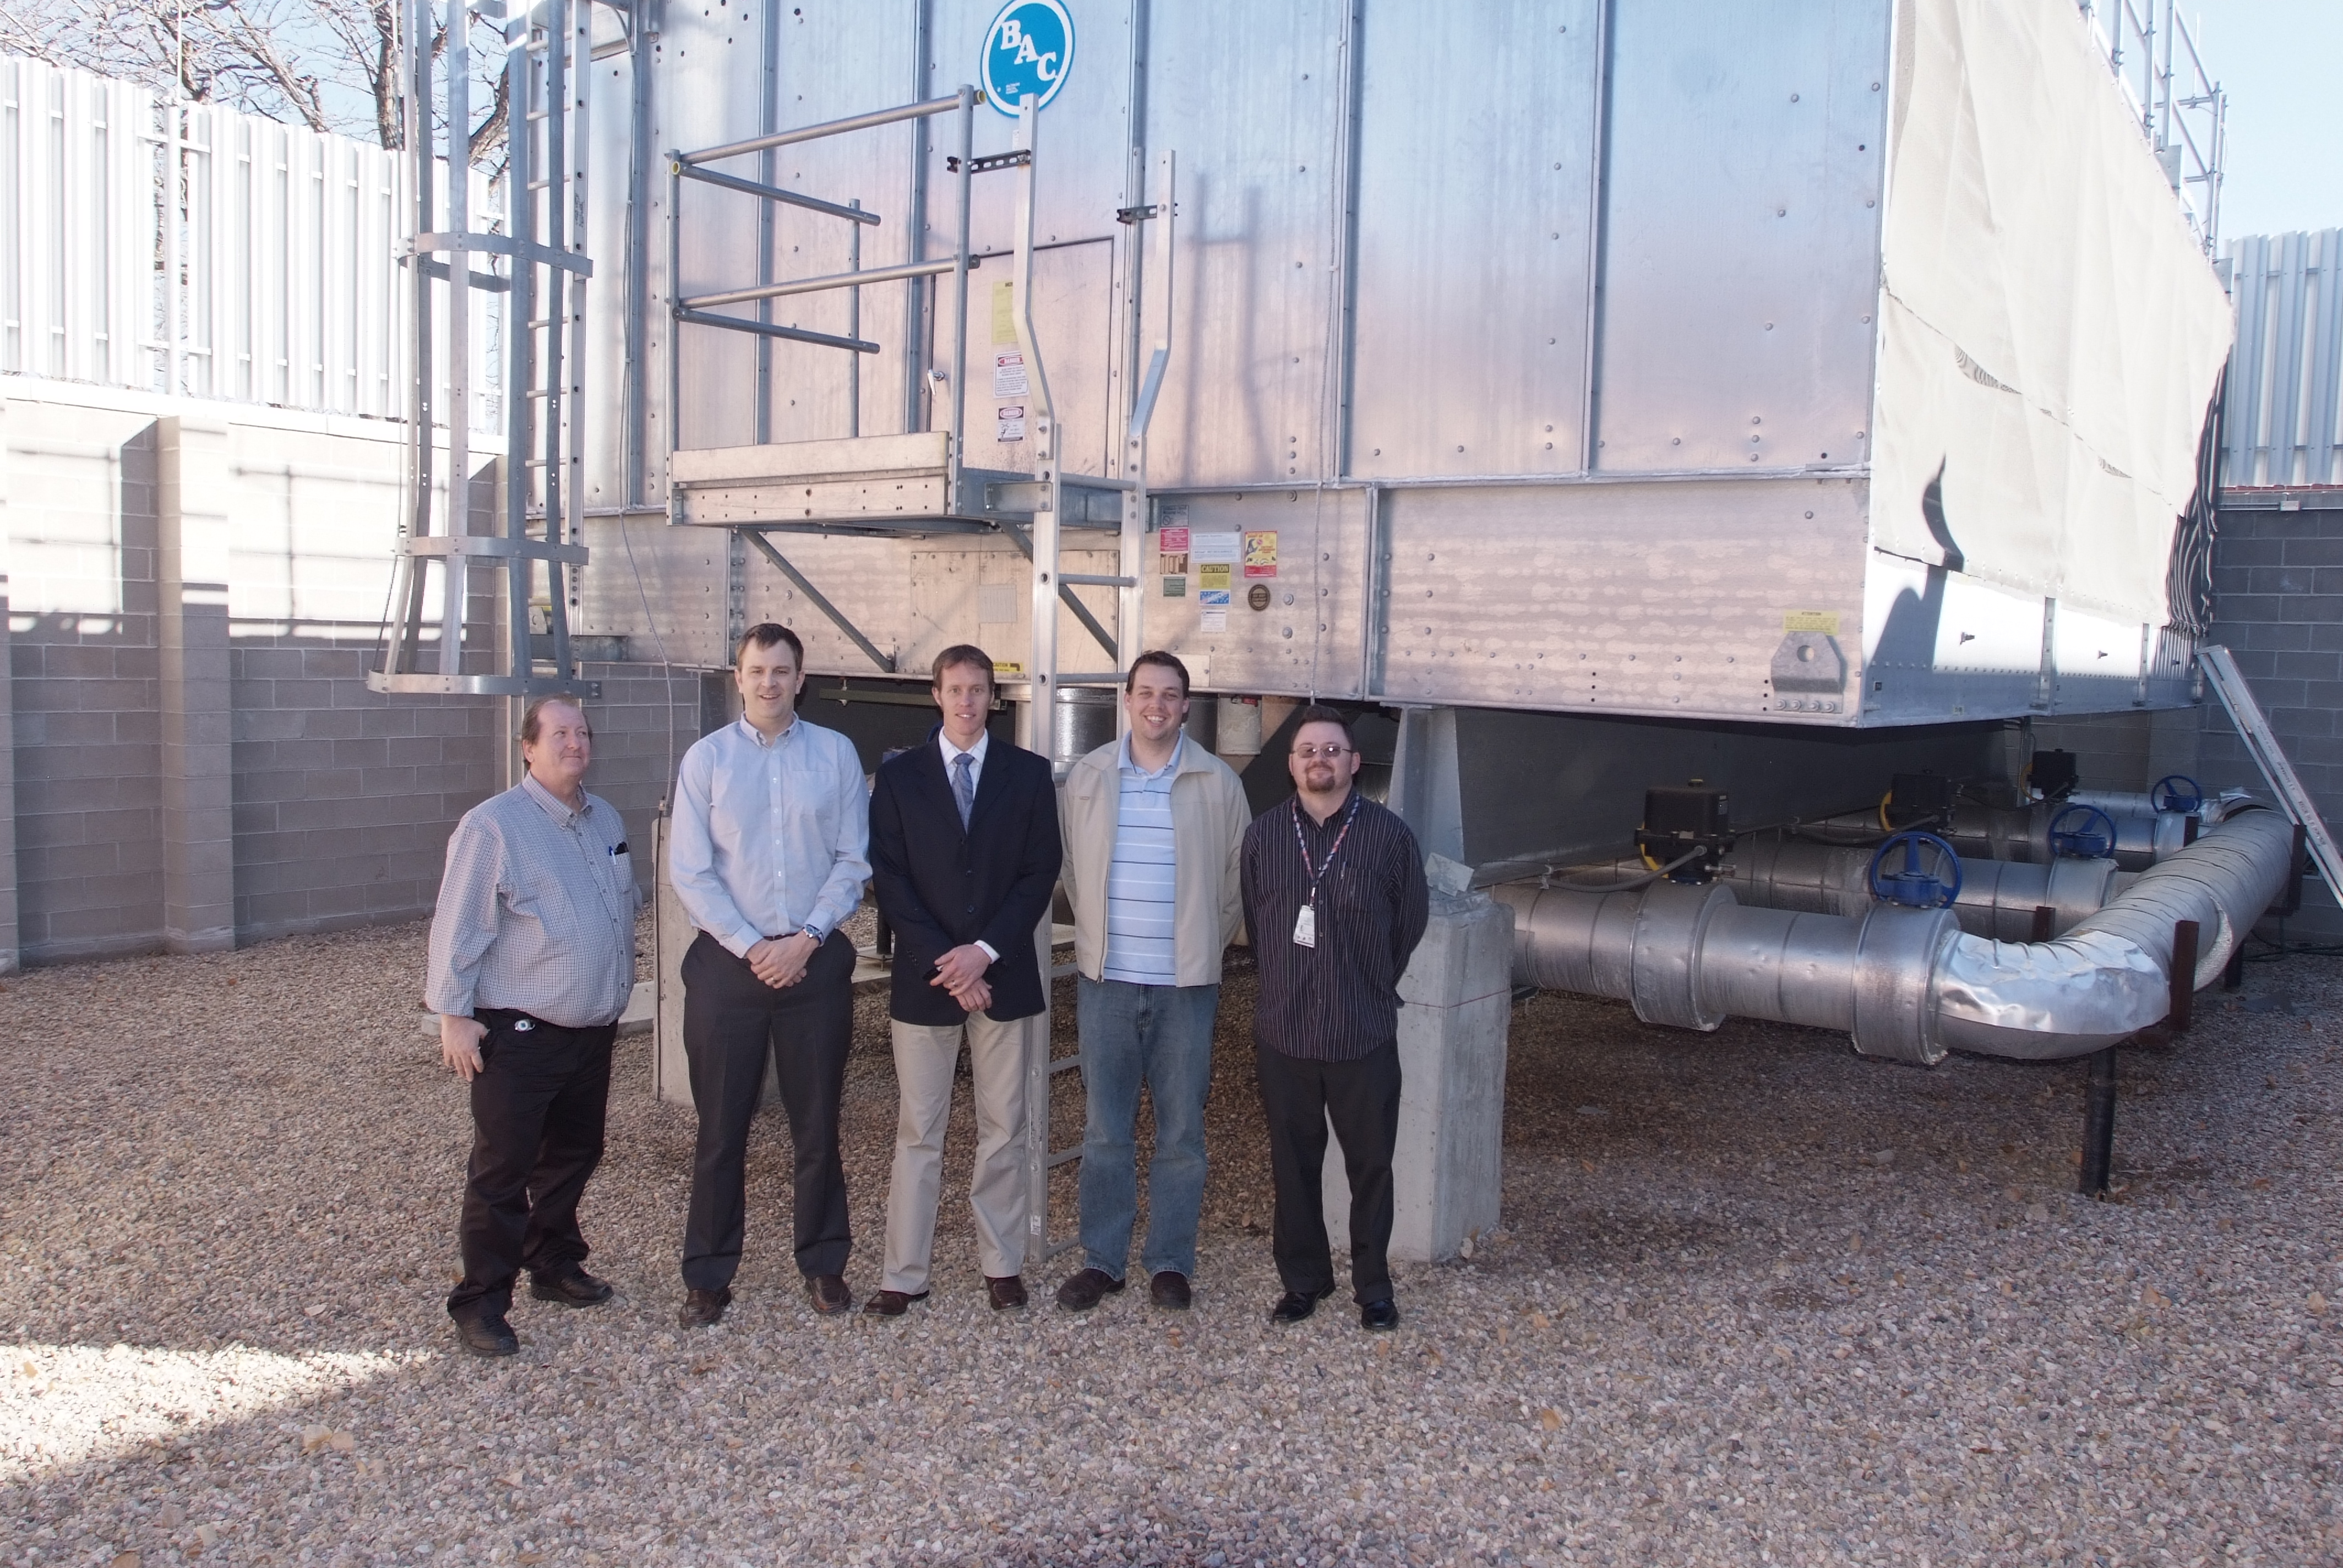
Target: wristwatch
(816, 932)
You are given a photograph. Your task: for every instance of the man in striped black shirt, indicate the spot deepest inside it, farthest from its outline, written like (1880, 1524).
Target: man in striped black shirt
(1335, 898)
(1152, 827)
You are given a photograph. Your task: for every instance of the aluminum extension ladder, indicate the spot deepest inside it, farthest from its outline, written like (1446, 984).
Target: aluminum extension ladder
(2229, 684)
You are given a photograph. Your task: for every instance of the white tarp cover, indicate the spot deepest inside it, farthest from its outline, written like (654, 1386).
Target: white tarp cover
(2050, 334)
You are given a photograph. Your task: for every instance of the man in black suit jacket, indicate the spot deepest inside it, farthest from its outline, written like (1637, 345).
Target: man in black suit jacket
(964, 855)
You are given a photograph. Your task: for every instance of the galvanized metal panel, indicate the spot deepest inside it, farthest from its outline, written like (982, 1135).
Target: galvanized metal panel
(1741, 228)
(2285, 391)
(1307, 639)
(1254, 390)
(1475, 181)
(1642, 597)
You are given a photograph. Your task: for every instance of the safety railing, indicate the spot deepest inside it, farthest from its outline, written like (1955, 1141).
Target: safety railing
(2182, 110)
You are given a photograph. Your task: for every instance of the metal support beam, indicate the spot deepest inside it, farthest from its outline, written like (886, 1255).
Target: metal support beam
(837, 616)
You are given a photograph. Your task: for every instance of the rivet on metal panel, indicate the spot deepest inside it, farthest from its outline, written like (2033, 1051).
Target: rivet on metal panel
(1810, 517)
(1793, 97)
(1875, 86)
(1756, 418)
(1868, 203)
(1289, 631)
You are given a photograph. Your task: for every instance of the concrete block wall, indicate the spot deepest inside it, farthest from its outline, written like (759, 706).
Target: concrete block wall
(2279, 578)
(189, 596)
(84, 675)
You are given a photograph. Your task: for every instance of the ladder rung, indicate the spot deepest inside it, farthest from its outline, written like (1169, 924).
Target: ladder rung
(1092, 579)
(1092, 678)
(1059, 971)
(1065, 1064)
(1065, 1156)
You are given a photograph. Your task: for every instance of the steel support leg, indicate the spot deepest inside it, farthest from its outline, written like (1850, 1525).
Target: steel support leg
(2099, 1123)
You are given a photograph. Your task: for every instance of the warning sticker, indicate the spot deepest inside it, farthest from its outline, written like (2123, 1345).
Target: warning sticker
(1214, 575)
(1173, 541)
(1011, 421)
(1176, 585)
(1173, 563)
(1213, 603)
(1009, 378)
(1004, 313)
(1261, 554)
(1224, 548)
(1821, 620)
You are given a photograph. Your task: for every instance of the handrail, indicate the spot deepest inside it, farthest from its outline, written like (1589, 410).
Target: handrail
(828, 128)
(819, 284)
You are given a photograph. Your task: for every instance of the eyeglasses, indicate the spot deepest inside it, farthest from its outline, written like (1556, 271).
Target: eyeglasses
(1311, 753)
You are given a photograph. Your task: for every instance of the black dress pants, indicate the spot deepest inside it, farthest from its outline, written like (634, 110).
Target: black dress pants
(537, 1108)
(731, 1021)
(1361, 1100)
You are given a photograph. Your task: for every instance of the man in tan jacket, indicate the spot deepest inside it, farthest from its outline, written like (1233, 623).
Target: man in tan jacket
(1152, 829)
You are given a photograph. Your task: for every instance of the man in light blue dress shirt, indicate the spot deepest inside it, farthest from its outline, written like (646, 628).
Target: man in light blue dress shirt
(770, 850)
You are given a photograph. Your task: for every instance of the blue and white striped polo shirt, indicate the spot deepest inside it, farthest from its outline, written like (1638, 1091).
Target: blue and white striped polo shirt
(1140, 880)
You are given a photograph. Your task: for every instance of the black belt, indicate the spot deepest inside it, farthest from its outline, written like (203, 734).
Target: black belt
(526, 1022)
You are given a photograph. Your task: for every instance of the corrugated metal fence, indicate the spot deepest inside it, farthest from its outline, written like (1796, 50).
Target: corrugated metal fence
(2284, 374)
(190, 249)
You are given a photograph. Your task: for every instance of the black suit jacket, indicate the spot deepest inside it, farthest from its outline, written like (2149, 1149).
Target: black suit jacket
(941, 886)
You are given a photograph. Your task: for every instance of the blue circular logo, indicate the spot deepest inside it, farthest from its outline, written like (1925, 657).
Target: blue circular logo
(1027, 54)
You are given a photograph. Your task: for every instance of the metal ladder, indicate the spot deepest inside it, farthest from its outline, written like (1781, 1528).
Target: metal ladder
(540, 267)
(2229, 684)
(1052, 586)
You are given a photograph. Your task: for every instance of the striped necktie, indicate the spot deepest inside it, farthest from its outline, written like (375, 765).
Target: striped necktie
(964, 785)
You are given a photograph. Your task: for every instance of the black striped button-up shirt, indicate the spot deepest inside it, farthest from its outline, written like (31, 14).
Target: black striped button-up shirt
(1339, 999)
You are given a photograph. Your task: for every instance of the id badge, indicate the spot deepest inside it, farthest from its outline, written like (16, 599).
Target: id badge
(1305, 928)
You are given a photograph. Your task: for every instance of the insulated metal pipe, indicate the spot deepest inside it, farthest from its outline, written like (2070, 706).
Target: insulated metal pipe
(1908, 984)
(1997, 898)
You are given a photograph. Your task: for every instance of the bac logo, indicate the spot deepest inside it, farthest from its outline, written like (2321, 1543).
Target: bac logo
(1027, 54)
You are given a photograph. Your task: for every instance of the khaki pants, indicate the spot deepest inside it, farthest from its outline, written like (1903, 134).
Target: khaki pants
(925, 1055)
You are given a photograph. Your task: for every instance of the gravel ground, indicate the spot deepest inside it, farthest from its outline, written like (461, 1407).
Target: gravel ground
(1758, 1300)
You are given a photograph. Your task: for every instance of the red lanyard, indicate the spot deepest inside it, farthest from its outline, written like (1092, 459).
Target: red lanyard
(1318, 872)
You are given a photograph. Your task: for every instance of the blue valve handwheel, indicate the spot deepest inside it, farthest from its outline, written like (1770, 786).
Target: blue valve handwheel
(2177, 792)
(2083, 842)
(1909, 885)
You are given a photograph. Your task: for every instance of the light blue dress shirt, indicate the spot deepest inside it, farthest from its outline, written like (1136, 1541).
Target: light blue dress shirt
(769, 837)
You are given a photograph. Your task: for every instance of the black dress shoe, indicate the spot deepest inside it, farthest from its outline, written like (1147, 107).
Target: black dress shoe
(704, 1309)
(889, 1303)
(1006, 1292)
(1085, 1289)
(1379, 1317)
(1295, 1305)
(488, 1335)
(1169, 1290)
(575, 1289)
(829, 1294)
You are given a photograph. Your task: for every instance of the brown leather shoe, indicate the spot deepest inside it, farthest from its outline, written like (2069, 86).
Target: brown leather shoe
(704, 1309)
(889, 1303)
(1169, 1290)
(829, 1294)
(1005, 1292)
(1085, 1289)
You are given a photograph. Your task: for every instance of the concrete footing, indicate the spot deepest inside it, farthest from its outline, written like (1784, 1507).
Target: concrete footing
(1456, 1002)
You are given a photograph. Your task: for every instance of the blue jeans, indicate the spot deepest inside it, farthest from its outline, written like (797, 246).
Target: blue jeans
(1162, 1036)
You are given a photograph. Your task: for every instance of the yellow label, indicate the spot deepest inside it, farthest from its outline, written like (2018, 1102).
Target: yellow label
(1007, 667)
(1212, 574)
(1004, 313)
(1821, 620)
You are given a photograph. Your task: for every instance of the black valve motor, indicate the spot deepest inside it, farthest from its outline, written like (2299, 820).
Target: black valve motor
(1681, 819)
(2054, 774)
(1919, 797)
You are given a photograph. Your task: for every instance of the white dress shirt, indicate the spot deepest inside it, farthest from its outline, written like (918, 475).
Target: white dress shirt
(976, 751)
(769, 836)
(975, 782)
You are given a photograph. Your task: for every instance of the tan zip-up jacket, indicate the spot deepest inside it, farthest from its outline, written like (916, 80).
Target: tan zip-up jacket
(1209, 818)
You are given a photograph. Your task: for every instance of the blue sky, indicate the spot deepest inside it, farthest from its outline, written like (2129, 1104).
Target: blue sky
(2281, 62)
